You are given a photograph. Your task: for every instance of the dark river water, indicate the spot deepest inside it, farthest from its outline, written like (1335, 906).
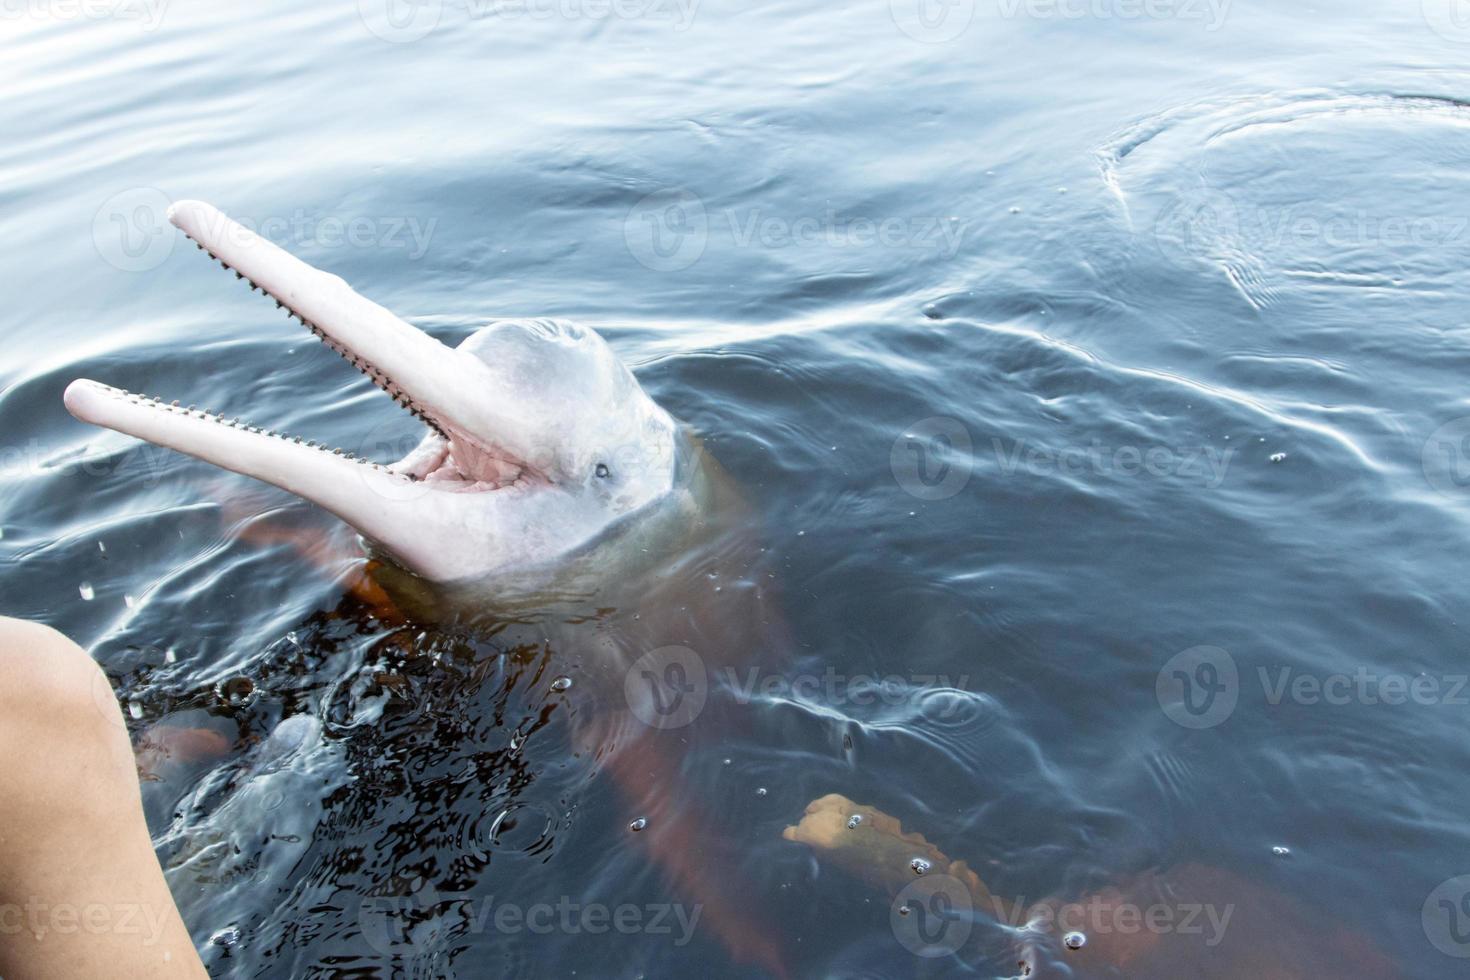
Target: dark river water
(1097, 374)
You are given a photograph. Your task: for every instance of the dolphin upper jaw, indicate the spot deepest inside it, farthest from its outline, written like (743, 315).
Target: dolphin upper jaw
(492, 485)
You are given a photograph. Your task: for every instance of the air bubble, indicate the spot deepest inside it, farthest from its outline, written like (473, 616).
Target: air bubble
(920, 866)
(1074, 940)
(561, 684)
(761, 791)
(88, 593)
(1280, 851)
(226, 937)
(236, 691)
(638, 824)
(1277, 457)
(854, 821)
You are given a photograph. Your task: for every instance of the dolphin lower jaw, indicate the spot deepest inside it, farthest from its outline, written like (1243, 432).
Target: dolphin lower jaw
(387, 507)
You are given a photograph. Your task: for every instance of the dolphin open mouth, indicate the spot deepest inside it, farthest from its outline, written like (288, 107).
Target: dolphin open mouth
(433, 382)
(539, 440)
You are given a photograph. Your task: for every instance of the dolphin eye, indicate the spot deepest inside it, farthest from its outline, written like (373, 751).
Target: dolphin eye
(602, 471)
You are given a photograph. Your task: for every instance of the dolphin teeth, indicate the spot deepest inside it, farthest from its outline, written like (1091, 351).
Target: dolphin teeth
(378, 377)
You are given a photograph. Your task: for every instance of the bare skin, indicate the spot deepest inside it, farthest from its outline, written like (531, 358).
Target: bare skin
(81, 890)
(1187, 920)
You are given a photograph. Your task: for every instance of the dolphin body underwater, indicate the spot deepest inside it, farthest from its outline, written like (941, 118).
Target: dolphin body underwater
(546, 506)
(541, 501)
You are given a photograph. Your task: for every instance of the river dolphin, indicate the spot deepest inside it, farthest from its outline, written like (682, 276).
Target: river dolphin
(540, 444)
(547, 482)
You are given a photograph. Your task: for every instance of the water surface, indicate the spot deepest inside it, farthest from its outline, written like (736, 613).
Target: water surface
(1049, 345)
